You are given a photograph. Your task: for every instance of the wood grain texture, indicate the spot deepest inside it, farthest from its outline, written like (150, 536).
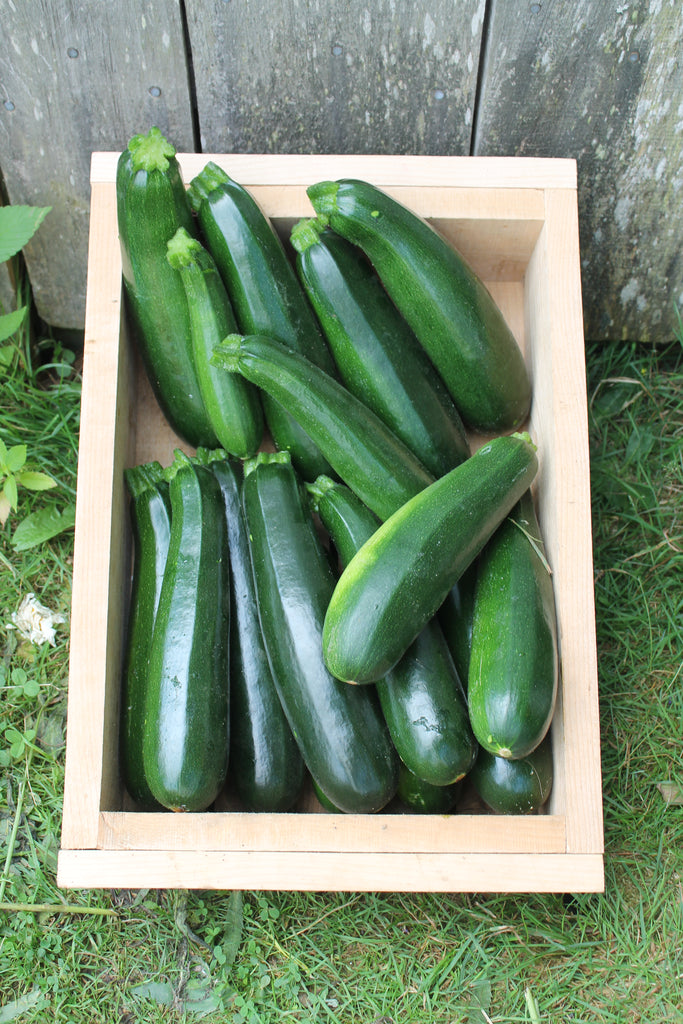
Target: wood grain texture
(318, 76)
(601, 82)
(76, 77)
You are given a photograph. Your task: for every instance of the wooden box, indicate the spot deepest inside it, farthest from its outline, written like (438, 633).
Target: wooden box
(515, 220)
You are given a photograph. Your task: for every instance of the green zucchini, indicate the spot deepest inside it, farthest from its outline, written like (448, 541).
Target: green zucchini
(514, 667)
(455, 619)
(232, 404)
(446, 304)
(361, 449)
(151, 205)
(399, 578)
(422, 797)
(378, 356)
(422, 698)
(264, 291)
(150, 516)
(339, 728)
(185, 744)
(265, 767)
(521, 786)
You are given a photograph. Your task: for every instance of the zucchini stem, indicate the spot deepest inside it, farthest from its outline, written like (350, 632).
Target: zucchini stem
(151, 152)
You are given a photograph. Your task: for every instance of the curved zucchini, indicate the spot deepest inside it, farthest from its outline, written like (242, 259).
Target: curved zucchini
(185, 746)
(379, 358)
(422, 698)
(514, 668)
(423, 798)
(265, 767)
(448, 307)
(232, 404)
(514, 787)
(151, 205)
(400, 577)
(358, 445)
(339, 728)
(150, 516)
(264, 292)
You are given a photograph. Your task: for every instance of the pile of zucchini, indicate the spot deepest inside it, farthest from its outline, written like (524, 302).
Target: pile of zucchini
(333, 585)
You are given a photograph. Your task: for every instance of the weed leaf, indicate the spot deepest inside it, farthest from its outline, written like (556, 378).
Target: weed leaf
(14, 458)
(158, 991)
(42, 526)
(232, 936)
(33, 481)
(17, 225)
(9, 489)
(478, 1012)
(10, 1011)
(671, 792)
(11, 322)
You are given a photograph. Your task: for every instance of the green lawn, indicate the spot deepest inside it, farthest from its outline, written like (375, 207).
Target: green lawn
(153, 956)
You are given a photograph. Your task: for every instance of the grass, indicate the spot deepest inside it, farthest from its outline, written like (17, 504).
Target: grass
(169, 956)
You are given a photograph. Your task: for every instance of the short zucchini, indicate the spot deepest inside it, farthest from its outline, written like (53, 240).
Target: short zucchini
(185, 745)
(513, 675)
(151, 205)
(514, 787)
(339, 728)
(421, 797)
(394, 585)
(359, 447)
(378, 356)
(448, 307)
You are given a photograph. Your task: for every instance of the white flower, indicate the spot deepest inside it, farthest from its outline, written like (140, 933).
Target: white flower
(35, 622)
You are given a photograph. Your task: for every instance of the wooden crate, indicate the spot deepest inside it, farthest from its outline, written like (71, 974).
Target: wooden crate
(515, 220)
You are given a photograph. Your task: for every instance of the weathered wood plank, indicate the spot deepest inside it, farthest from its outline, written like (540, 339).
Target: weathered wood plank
(78, 76)
(318, 76)
(601, 82)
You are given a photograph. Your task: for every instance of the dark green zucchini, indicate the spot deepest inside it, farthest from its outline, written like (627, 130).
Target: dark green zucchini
(521, 786)
(185, 745)
(422, 797)
(448, 307)
(264, 292)
(265, 767)
(400, 577)
(379, 358)
(339, 728)
(514, 658)
(150, 516)
(151, 205)
(422, 698)
(455, 619)
(232, 404)
(361, 449)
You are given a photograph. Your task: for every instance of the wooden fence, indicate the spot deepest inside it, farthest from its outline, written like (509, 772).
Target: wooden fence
(597, 80)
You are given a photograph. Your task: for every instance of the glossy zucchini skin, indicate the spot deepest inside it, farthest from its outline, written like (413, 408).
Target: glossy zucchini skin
(422, 698)
(232, 404)
(396, 582)
(150, 517)
(339, 728)
(378, 357)
(442, 299)
(421, 797)
(185, 746)
(264, 291)
(265, 766)
(360, 448)
(151, 205)
(514, 664)
(521, 786)
(455, 618)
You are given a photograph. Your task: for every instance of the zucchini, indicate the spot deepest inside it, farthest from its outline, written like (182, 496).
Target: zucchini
(150, 516)
(265, 767)
(185, 744)
(379, 358)
(521, 786)
(455, 619)
(448, 307)
(422, 698)
(232, 404)
(514, 668)
(151, 205)
(360, 448)
(264, 291)
(394, 585)
(339, 728)
(422, 797)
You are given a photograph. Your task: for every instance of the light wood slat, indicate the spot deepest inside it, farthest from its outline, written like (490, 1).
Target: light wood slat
(362, 872)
